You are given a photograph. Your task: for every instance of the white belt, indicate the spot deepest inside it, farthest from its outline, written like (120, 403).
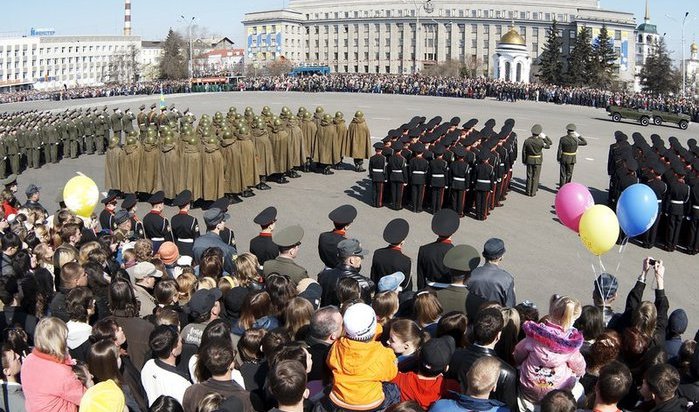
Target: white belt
(677, 202)
(397, 171)
(419, 172)
(377, 170)
(460, 179)
(660, 200)
(695, 207)
(158, 239)
(502, 164)
(437, 175)
(438, 285)
(483, 181)
(186, 240)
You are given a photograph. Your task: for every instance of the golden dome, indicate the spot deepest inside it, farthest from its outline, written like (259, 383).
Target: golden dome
(694, 48)
(512, 37)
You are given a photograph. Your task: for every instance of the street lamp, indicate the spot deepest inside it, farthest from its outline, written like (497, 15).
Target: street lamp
(429, 8)
(684, 72)
(189, 34)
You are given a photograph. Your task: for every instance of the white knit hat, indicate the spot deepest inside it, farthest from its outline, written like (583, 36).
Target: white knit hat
(360, 322)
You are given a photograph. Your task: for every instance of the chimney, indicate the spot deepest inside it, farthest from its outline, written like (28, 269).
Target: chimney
(127, 17)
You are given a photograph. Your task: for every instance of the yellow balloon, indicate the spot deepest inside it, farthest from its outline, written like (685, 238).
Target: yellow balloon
(81, 195)
(599, 229)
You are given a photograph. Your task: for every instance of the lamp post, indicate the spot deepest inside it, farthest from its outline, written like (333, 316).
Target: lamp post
(189, 35)
(684, 72)
(429, 8)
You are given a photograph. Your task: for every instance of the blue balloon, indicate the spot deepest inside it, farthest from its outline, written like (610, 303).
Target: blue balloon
(637, 209)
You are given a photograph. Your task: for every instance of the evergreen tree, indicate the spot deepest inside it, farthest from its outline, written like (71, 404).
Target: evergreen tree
(580, 61)
(657, 74)
(604, 59)
(173, 64)
(551, 70)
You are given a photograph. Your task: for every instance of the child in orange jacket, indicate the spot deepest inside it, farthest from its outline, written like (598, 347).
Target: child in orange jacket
(360, 364)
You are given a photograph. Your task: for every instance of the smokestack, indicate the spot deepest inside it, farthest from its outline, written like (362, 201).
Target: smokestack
(127, 17)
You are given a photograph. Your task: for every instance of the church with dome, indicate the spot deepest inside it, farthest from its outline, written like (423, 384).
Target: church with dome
(511, 60)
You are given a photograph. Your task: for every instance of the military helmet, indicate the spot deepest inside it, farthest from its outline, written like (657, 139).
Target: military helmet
(277, 123)
(168, 139)
(266, 110)
(243, 129)
(133, 133)
(113, 141)
(359, 114)
(302, 110)
(227, 135)
(150, 139)
(339, 115)
(285, 110)
(320, 110)
(212, 140)
(232, 110)
(259, 124)
(192, 139)
(238, 116)
(307, 116)
(130, 140)
(327, 117)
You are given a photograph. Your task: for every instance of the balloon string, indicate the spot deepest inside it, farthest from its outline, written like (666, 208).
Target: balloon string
(81, 174)
(601, 264)
(622, 249)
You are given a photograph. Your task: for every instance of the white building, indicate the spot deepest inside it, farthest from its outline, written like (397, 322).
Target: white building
(647, 39)
(218, 61)
(379, 36)
(692, 71)
(149, 59)
(51, 62)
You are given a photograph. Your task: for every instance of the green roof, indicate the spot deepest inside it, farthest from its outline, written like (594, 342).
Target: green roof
(648, 28)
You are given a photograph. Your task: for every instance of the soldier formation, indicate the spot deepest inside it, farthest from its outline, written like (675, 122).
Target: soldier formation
(434, 164)
(228, 156)
(672, 173)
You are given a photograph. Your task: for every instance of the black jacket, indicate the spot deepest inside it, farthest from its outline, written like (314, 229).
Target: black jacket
(389, 260)
(328, 281)
(506, 390)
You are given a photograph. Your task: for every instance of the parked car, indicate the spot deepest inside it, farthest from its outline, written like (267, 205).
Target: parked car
(645, 117)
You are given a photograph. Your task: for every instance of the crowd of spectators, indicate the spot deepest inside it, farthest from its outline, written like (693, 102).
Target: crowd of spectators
(474, 88)
(94, 321)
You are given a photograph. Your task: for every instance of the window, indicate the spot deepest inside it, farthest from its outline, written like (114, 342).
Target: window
(474, 44)
(617, 35)
(474, 28)
(485, 44)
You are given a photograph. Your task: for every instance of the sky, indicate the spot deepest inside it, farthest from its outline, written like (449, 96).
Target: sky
(151, 19)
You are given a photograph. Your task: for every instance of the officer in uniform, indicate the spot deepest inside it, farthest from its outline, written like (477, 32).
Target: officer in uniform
(430, 259)
(532, 156)
(116, 122)
(155, 226)
(391, 259)
(439, 176)
(693, 245)
(567, 153)
(226, 234)
(34, 146)
(51, 147)
(129, 205)
(151, 118)
(13, 152)
(142, 120)
(185, 228)
(397, 170)
(341, 217)
(459, 180)
(654, 181)
(418, 168)
(288, 241)
(106, 217)
(88, 122)
(377, 174)
(262, 245)
(460, 261)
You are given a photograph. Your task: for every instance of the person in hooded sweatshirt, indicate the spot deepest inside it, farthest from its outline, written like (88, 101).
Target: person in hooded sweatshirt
(482, 380)
(549, 356)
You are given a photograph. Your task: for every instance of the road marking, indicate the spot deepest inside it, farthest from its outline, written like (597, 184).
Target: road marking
(590, 159)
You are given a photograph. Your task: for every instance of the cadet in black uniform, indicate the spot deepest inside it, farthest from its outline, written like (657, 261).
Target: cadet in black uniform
(659, 187)
(418, 168)
(377, 174)
(155, 226)
(391, 259)
(185, 228)
(129, 205)
(107, 214)
(397, 175)
(484, 181)
(693, 245)
(430, 259)
(439, 175)
(227, 235)
(341, 217)
(262, 245)
(459, 180)
(678, 198)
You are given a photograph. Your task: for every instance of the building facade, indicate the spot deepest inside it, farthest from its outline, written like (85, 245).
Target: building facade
(51, 62)
(379, 36)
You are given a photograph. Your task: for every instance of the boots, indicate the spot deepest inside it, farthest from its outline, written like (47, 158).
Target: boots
(263, 185)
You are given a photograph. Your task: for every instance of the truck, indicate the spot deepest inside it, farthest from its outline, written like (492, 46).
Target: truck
(645, 117)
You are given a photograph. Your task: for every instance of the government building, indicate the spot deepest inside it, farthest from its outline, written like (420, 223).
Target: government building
(498, 38)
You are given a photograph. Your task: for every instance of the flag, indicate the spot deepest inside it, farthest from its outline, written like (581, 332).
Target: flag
(162, 100)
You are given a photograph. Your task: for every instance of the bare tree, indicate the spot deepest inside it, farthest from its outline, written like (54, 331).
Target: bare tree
(472, 67)
(279, 67)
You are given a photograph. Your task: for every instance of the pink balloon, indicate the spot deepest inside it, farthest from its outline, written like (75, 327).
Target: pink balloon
(572, 200)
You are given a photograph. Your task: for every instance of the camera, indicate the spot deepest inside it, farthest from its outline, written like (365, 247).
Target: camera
(651, 262)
